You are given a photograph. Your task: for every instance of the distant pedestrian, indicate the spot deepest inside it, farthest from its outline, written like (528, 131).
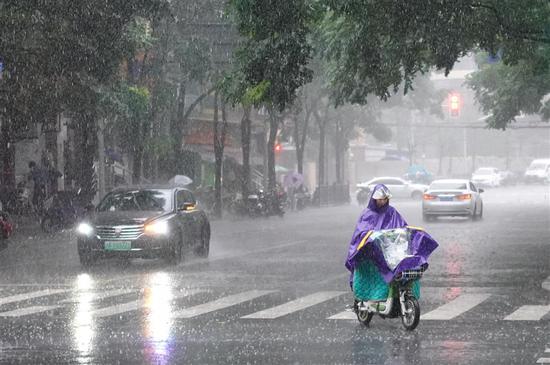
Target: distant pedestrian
(39, 178)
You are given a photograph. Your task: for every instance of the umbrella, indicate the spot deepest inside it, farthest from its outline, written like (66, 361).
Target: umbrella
(293, 179)
(180, 180)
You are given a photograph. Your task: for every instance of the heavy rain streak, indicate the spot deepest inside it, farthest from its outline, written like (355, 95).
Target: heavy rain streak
(275, 182)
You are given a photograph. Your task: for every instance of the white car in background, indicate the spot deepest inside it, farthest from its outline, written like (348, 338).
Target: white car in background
(538, 171)
(452, 197)
(399, 188)
(487, 176)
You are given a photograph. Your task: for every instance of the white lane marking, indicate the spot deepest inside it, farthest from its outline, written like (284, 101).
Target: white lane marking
(547, 350)
(135, 305)
(195, 261)
(97, 296)
(546, 284)
(344, 315)
(221, 303)
(27, 311)
(456, 307)
(31, 295)
(529, 313)
(543, 360)
(295, 305)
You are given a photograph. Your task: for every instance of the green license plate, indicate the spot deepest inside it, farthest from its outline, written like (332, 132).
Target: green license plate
(118, 245)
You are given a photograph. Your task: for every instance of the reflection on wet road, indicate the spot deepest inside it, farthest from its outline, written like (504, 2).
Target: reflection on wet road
(277, 292)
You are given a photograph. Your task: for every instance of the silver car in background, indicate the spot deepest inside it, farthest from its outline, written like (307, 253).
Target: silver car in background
(452, 197)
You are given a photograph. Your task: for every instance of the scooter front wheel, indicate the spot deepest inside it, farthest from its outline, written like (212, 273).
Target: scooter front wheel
(364, 317)
(411, 318)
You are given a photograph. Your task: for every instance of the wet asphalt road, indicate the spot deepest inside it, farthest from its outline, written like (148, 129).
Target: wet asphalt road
(271, 289)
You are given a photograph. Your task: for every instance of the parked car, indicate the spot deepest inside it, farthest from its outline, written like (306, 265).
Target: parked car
(399, 188)
(450, 197)
(508, 177)
(538, 171)
(144, 222)
(487, 176)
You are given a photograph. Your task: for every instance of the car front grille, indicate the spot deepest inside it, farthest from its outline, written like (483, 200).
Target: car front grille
(120, 232)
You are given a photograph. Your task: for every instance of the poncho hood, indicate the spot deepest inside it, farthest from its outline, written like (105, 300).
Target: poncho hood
(372, 219)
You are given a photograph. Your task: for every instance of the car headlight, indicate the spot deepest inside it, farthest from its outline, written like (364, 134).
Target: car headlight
(157, 228)
(85, 229)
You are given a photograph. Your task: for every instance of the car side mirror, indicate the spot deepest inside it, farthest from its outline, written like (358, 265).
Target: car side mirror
(187, 206)
(480, 190)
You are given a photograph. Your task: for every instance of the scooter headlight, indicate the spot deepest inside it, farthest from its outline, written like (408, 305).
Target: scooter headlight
(85, 229)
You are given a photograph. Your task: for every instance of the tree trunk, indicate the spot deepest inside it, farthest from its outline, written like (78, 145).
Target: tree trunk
(136, 168)
(7, 152)
(220, 131)
(85, 151)
(322, 143)
(338, 151)
(300, 132)
(273, 129)
(246, 125)
(101, 158)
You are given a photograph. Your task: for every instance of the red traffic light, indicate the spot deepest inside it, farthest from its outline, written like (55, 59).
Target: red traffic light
(454, 104)
(278, 147)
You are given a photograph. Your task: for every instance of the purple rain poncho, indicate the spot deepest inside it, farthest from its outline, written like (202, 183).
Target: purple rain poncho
(386, 217)
(372, 219)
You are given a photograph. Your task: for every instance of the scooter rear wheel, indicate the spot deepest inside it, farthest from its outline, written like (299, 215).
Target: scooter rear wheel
(412, 313)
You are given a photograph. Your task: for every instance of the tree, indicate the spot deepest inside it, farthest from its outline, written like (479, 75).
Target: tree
(381, 46)
(273, 56)
(57, 56)
(506, 91)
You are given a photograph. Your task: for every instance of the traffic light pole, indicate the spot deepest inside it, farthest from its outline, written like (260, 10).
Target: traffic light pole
(465, 141)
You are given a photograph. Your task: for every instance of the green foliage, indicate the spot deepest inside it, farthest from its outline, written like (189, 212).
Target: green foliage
(381, 45)
(506, 91)
(275, 51)
(193, 57)
(58, 54)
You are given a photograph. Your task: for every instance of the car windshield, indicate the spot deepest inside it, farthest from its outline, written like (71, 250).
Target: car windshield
(137, 200)
(484, 171)
(448, 185)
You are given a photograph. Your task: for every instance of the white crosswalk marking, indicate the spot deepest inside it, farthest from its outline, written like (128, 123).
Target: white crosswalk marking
(456, 307)
(135, 305)
(31, 295)
(295, 305)
(28, 311)
(221, 303)
(344, 315)
(543, 360)
(529, 313)
(97, 296)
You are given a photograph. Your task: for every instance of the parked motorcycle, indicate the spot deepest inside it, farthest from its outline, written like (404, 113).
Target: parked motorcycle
(274, 203)
(62, 211)
(303, 198)
(265, 204)
(6, 226)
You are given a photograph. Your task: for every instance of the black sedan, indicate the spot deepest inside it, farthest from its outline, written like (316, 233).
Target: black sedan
(144, 223)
